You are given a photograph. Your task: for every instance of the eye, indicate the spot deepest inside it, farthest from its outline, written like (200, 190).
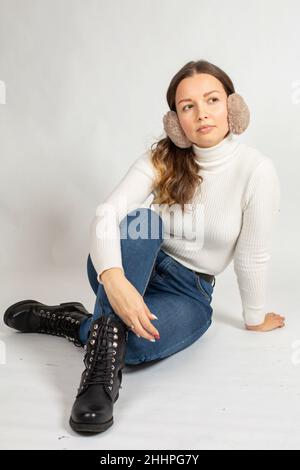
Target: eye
(186, 106)
(214, 100)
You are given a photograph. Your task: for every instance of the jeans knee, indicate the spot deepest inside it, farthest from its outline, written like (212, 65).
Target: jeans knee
(149, 224)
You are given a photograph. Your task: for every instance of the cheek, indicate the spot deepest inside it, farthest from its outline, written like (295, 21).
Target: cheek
(186, 122)
(221, 113)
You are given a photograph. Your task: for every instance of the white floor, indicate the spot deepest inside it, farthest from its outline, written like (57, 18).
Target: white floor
(232, 389)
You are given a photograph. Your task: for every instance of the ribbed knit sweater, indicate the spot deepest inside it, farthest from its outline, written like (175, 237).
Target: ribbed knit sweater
(231, 218)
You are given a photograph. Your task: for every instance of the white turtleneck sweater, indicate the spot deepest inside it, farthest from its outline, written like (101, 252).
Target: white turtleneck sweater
(233, 213)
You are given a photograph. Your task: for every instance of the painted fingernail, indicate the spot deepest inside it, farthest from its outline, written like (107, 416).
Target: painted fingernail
(154, 316)
(152, 340)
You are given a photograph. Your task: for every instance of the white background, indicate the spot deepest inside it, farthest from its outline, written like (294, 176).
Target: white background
(85, 85)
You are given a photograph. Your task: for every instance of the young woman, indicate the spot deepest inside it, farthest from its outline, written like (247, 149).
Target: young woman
(152, 263)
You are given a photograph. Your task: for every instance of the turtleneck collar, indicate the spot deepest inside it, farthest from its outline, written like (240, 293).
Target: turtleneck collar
(216, 158)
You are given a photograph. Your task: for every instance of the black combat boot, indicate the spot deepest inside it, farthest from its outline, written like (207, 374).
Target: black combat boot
(30, 316)
(104, 360)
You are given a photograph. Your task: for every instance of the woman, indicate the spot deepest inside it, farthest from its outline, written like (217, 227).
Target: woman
(214, 199)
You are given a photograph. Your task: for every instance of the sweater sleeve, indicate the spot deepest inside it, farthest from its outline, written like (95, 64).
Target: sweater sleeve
(129, 194)
(252, 250)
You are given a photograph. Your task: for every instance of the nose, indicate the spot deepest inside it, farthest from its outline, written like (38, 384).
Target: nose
(202, 112)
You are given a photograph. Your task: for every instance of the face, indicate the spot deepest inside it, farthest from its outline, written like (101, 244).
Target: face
(202, 106)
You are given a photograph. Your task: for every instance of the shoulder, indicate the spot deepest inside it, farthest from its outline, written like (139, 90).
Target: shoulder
(253, 163)
(143, 164)
(259, 175)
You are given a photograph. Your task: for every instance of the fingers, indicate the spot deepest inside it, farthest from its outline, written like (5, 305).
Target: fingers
(140, 330)
(280, 321)
(143, 326)
(147, 325)
(273, 314)
(150, 314)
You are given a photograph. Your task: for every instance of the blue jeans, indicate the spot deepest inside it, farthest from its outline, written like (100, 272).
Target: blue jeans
(178, 296)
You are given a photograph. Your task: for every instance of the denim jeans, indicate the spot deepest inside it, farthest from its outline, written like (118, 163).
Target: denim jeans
(178, 296)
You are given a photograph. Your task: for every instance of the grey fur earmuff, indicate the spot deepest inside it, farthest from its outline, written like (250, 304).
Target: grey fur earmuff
(238, 121)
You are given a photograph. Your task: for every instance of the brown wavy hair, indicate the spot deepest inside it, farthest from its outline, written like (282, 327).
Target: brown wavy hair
(177, 169)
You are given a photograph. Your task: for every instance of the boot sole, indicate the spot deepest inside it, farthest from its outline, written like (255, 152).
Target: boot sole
(92, 428)
(24, 302)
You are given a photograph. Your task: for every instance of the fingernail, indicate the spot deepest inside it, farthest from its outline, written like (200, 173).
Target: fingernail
(138, 336)
(152, 340)
(154, 316)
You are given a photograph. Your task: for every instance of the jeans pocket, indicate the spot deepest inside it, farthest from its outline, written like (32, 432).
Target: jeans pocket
(162, 262)
(205, 287)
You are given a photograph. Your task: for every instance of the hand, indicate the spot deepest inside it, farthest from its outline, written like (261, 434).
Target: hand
(272, 321)
(129, 305)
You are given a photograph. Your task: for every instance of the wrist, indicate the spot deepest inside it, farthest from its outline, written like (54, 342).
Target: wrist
(254, 327)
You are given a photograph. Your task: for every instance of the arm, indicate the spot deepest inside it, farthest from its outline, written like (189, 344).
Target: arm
(252, 251)
(130, 193)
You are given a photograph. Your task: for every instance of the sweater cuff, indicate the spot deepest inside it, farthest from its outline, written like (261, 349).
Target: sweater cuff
(253, 317)
(98, 276)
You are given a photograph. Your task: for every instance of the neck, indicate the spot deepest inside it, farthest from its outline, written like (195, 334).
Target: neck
(216, 158)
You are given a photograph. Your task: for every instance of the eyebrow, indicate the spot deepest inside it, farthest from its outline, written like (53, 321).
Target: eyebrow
(205, 94)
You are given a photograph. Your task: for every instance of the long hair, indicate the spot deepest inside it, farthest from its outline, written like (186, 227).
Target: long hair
(177, 169)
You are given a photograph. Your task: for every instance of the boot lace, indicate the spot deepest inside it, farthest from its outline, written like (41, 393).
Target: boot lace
(99, 359)
(60, 325)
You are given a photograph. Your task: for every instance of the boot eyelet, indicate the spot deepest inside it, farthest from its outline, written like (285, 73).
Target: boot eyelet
(111, 381)
(115, 336)
(115, 329)
(77, 322)
(91, 359)
(111, 374)
(92, 341)
(110, 388)
(115, 344)
(95, 327)
(94, 334)
(114, 352)
(113, 359)
(112, 367)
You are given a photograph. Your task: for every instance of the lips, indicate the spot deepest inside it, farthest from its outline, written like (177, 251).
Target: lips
(204, 127)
